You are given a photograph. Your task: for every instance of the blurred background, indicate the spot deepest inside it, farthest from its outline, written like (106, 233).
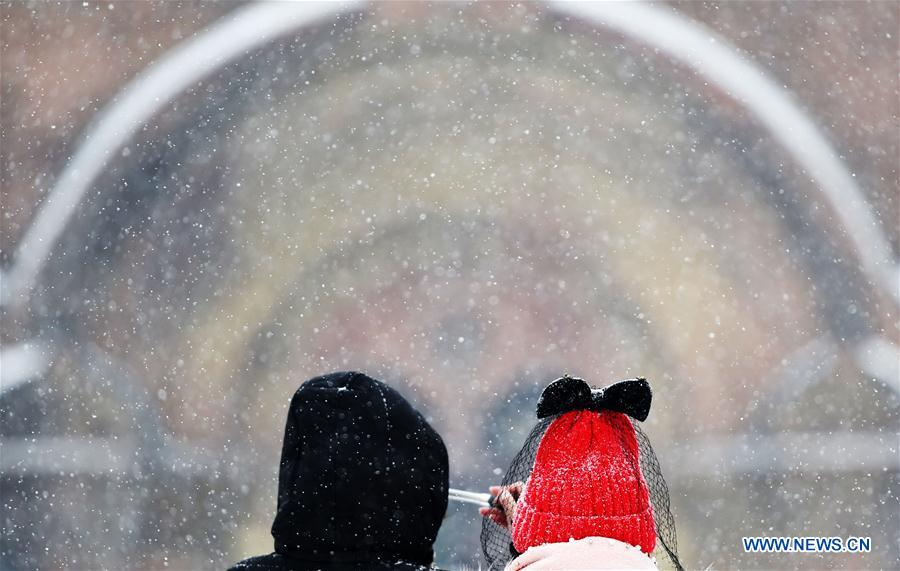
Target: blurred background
(467, 201)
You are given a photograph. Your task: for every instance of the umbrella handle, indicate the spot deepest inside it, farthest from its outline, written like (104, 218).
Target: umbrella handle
(466, 497)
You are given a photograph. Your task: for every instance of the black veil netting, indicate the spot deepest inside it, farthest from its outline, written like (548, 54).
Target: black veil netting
(496, 540)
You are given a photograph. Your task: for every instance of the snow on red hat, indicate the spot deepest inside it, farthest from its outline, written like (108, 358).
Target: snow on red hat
(587, 480)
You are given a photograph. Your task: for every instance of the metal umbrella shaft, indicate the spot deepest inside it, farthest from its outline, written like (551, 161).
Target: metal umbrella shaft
(466, 497)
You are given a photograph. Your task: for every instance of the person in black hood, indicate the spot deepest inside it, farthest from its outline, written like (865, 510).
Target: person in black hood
(362, 484)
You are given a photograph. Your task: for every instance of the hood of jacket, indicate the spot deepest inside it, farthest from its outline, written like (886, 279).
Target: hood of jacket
(363, 476)
(589, 553)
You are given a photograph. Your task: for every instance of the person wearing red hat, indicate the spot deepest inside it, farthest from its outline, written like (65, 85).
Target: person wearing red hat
(585, 480)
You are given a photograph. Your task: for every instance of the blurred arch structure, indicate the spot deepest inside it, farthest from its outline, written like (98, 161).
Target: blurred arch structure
(687, 43)
(678, 38)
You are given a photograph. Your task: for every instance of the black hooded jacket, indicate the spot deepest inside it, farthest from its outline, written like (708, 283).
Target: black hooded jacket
(362, 483)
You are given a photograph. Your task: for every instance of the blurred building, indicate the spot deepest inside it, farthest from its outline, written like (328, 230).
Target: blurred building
(466, 201)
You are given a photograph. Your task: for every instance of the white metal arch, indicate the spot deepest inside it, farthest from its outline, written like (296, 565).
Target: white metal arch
(713, 58)
(225, 40)
(255, 25)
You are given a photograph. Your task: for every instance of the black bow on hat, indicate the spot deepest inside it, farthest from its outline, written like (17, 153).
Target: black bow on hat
(631, 397)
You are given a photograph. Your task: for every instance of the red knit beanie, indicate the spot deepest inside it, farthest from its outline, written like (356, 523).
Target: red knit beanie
(586, 482)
